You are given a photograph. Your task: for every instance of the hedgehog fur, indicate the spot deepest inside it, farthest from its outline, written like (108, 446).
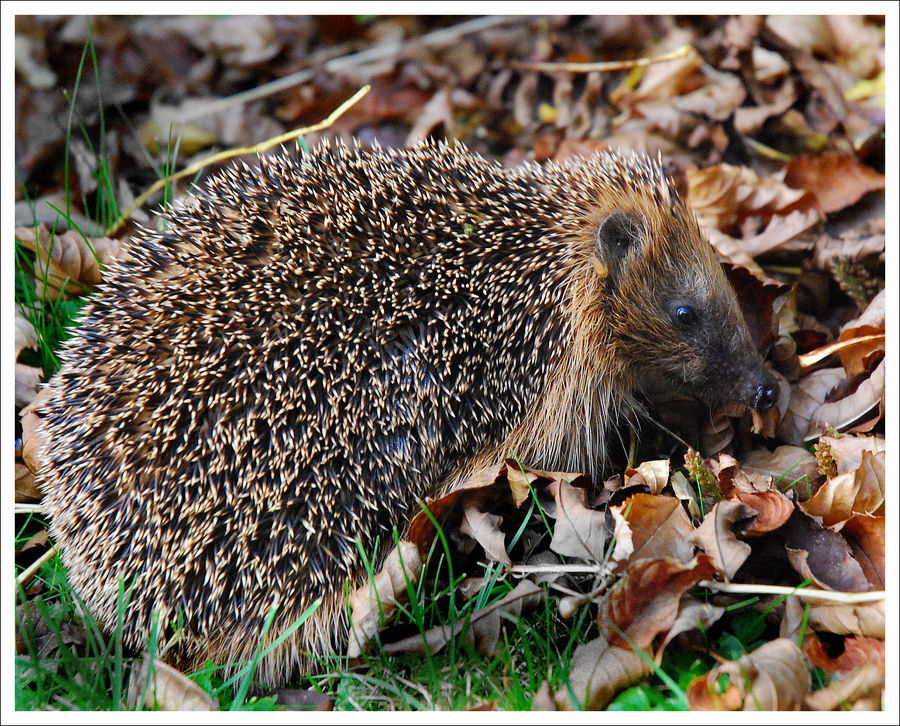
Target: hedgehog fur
(314, 345)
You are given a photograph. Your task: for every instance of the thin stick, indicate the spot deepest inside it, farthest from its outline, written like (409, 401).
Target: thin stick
(238, 151)
(602, 66)
(29, 572)
(848, 598)
(336, 65)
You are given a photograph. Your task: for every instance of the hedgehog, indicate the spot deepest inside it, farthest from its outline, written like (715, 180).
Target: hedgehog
(314, 345)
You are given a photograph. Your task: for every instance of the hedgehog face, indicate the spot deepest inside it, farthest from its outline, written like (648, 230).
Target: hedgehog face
(674, 314)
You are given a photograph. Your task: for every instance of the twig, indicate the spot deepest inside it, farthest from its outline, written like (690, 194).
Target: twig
(238, 151)
(848, 598)
(597, 569)
(336, 65)
(548, 67)
(29, 572)
(28, 508)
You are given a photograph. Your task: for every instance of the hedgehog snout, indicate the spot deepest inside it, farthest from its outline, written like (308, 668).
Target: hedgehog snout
(766, 393)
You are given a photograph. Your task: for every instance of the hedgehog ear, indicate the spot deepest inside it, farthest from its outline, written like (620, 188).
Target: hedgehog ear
(617, 235)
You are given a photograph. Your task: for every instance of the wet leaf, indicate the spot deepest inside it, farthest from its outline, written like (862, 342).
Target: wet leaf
(771, 678)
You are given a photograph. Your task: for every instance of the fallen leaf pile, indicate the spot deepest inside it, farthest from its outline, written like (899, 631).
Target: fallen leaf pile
(771, 127)
(640, 563)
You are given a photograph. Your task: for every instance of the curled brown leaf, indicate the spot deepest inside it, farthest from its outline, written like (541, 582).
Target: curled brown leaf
(773, 677)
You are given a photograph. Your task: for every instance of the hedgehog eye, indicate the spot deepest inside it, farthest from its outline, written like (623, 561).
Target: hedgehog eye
(685, 315)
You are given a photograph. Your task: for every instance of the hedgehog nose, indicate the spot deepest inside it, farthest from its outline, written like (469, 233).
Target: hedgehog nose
(765, 396)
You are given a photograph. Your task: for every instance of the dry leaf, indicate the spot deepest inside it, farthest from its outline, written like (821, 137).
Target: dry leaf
(836, 180)
(865, 535)
(692, 614)
(579, 531)
(846, 413)
(821, 554)
(32, 441)
(789, 465)
(28, 383)
(26, 489)
(847, 451)
(659, 527)
(860, 689)
(484, 528)
(653, 474)
(67, 260)
(773, 677)
(168, 689)
(860, 619)
(854, 492)
(856, 651)
(599, 671)
(716, 537)
(373, 604)
(686, 492)
(26, 335)
(723, 195)
(645, 601)
(857, 358)
(807, 396)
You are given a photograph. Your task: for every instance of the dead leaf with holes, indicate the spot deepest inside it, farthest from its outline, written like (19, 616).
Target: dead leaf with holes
(375, 602)
(771, 678)
(483, 629)
(856, 650)
(68, 264)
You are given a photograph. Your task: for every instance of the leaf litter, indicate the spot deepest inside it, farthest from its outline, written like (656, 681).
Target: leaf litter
(773, 127)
